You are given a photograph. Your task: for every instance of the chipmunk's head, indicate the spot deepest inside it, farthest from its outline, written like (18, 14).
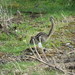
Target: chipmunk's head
(51, 18)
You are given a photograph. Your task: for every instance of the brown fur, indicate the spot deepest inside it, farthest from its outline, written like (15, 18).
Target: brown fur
(42, 37)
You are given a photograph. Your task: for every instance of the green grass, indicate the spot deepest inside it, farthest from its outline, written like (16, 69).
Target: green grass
(23, 68)
(29, 68)
(30, 27)
(13, 66)
(48, 6)
(11, 43)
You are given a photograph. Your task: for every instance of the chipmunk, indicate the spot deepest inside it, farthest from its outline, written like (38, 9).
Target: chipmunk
(41, 36)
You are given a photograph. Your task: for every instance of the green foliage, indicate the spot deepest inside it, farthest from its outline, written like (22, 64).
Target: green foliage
(23, 68)
(46, 6)
(12, 44)
(3, 36)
